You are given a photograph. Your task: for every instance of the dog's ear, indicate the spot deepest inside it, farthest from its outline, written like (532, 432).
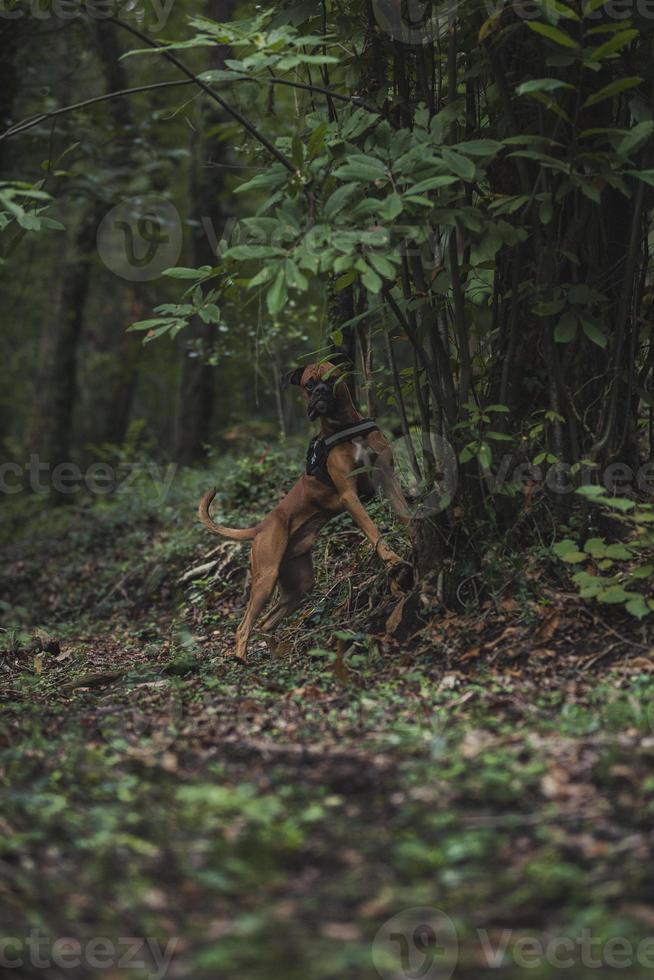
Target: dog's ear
(292, 377)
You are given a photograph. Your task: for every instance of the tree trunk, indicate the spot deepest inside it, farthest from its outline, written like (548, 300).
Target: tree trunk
(196, 392)
(56, 387)
(112, 355)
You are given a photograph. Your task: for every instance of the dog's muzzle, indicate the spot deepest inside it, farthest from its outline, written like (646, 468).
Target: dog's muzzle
(321, 401)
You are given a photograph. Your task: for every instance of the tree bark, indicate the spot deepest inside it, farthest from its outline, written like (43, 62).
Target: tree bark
(195, 403)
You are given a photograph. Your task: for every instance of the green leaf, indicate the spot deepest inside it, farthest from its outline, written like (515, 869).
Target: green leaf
(294, 278)
(637, 607)
(362, 169)
(541, 85)
(276, 295)
(265, 274)
(594, 332)
(479, 148)
(563, 547)
(643, 571)
(647, 176)
(382, 265)
(566, 329)
(244, 252)
(182, 273)
(573, 557)
(592, 5)
(391, 206)
(430, 184)
(544, 158)
(618, 503)
(499, 436)
(591, 490)
(317, 140)
(459, 165)
(636, 137)
(613, 88)
(556, 10)
(596, 547)
(552, 34)
(371, 280)
(613, 595)
(339, 199)
(275, 176)
(549, 307)
(344, 281)
(147, 324)
(619, 552)
(614, 44)
(485, 456)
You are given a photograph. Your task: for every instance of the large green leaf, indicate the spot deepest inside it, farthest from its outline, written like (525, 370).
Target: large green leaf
(276, 295)
(636, 137)
(541, 85)
(458, 164)
(339, 199)
(430, 184)
(614, 44)
(552, 34)
(362, 169)
(613, 88)
(566, 329)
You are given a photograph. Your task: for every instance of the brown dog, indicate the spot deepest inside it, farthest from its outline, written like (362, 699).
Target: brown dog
(282, 542)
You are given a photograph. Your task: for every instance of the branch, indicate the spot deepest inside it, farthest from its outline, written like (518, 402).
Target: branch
(25, 124)
(31, 122)
(415, 343)
(235, 113)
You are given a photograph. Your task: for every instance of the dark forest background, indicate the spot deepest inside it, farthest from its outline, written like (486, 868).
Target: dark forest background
(447, 764)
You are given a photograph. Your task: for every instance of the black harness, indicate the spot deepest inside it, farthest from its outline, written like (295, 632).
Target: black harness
(319, 448)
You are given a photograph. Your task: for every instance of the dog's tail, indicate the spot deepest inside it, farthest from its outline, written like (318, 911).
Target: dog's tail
(235, 533)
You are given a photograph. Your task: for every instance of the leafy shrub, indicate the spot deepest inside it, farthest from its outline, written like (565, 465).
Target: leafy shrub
(619, 573)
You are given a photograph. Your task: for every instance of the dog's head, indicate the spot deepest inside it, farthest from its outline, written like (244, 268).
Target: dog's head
(322, 386)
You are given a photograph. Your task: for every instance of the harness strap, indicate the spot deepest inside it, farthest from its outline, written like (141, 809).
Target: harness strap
(319, 448)
(359, 429)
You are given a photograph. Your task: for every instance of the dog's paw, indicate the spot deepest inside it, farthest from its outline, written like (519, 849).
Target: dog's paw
(388, 555)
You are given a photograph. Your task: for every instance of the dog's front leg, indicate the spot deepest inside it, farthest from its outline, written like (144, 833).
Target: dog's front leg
(346, 487)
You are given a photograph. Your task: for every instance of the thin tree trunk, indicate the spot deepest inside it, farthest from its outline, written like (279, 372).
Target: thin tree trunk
(196, 391)
(56, 387)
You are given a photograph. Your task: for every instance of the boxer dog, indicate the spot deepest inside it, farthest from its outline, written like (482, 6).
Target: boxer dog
(334, 482)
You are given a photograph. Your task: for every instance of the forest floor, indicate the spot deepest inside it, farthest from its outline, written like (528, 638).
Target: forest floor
(391, 790)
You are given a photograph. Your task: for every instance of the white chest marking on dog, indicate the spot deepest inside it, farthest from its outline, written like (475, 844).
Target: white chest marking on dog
(362, 452)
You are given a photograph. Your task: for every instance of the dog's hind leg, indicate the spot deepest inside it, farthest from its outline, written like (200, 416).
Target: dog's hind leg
(267, 550)
(296, 579)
